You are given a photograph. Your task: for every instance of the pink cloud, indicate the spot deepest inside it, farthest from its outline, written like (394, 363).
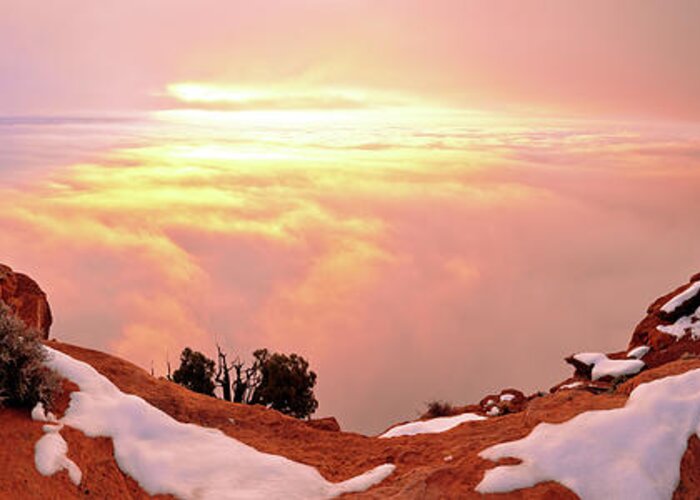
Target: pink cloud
(436, 279)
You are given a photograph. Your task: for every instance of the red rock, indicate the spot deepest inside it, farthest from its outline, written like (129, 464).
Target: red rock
(513, 402)
(665, 347)
(25, 299)
(324, 424)
(582, 370)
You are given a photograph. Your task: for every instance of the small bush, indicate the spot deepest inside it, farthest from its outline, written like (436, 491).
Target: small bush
(195, 372)
(286, 384)
(439, 409)
(24, 378)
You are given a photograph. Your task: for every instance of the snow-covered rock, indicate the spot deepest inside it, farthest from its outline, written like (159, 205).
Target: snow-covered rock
(507, 401)
(638, 352)
(685, 325)
(672, 322)
(602, 366)
(678, 300)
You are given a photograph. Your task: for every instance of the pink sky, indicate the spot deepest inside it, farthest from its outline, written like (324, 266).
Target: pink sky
(628, 57)
(426, 201)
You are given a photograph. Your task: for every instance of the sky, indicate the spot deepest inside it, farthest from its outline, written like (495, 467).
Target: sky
(426, 200)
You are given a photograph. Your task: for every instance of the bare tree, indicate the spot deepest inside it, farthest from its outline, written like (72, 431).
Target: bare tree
(248, 379)
(240, 385)
(223, 373)
(167, 362)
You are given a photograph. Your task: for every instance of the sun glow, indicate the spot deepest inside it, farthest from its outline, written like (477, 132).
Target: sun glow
(218, 96)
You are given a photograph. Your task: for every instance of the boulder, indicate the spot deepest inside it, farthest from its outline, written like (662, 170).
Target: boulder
(25, 299)
(507, 401)
(324, 424)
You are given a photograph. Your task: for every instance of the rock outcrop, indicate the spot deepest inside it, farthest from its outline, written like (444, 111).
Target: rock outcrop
(672, 325)
(670, 331)
(26, 300)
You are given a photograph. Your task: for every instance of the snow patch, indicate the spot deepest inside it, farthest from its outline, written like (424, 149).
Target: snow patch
(507, 397)
(683, 297)
(50, 455)
(572, 385)
(685, 325)
(432, 426)
(186, 460)
(40, 414)
(604, 366)
(629, 452)
(638, 352)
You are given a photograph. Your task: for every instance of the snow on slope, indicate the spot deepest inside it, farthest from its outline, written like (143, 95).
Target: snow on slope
(51, 451)
(50, 455)
(685, 325)
(186, 460)
(572, 385)
(630, 452)
(432, 426)
(639, 352)
(604, 366)
(678, 300)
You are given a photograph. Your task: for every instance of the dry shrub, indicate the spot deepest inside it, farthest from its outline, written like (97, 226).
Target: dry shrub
(439, 409)
(24, 378)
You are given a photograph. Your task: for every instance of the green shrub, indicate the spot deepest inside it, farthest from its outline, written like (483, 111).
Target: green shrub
(24, 378)
(286, 384)
(195, 372)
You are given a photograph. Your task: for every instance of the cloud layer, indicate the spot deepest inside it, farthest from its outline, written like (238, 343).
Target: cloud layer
(407, 262)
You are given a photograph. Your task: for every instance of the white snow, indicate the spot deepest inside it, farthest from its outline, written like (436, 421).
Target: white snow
(507, 397)
(603, 366)
(50, 455)
(638, 352)
(493, 411)
(630, 452)
(681, 298)
(40, 414)
(490, 402)
(186, 460)
(432, 426)
(684, 325)
(572, 385)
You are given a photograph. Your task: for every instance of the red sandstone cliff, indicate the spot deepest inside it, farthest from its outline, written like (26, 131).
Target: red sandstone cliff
(25, 299)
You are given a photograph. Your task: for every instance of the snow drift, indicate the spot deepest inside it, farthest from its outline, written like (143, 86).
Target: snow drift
(186, 460)
(630, 452)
